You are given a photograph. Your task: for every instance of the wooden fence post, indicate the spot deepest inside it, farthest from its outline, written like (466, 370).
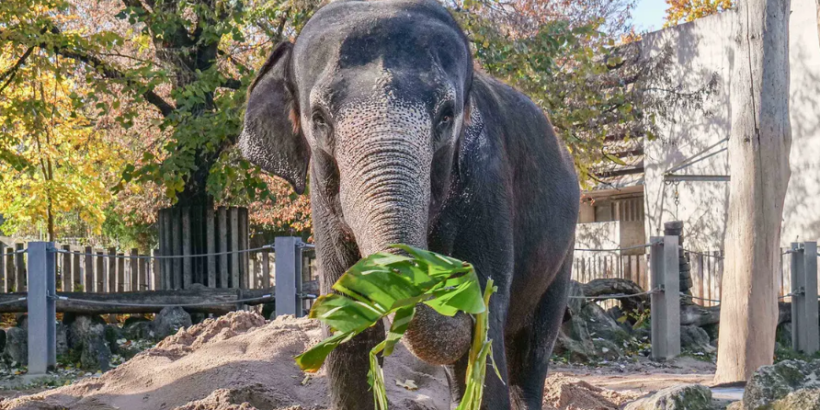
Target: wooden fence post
(88, 284)
(19, 268)
(187, 274)
(5, 286)
(665, 301)
(156, 277)
(120, 288)
(134, 267)
(76, 273)
(265, 269)
(210, 235)
(99, 273)
(9, 261)
(66, 276)
(42, 310)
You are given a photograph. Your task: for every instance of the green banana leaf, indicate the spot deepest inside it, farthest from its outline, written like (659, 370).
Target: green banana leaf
(384, 284)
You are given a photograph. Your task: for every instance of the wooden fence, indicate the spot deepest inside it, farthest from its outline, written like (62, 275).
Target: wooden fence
(96, 270)
(706, 270)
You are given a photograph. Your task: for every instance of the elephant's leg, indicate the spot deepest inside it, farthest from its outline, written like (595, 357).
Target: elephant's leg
(497, 392)
(531, 347)
(455, 379)
(347, 368)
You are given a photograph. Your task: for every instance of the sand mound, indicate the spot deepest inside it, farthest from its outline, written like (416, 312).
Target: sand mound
(568, 393)
(241, 362)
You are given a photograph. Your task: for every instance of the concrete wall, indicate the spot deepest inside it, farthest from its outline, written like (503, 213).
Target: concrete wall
(701, 50)
(598, 235)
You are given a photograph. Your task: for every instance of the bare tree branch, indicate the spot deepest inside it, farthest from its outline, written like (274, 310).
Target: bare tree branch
(13, 69)
(112, 73)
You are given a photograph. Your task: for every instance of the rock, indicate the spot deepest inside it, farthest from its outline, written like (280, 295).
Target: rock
(21, 320)
(607, 350)
(269, 310)
(684, 397)
(87, 334)
(783, 336)
(772, 384)
(575, 303)
(712, 330)
(17, 344)
(138, 330)
(62, 339)
(112, 334)
(600, 324)
(695, 339)
(575, 351)
(198, 317)
(574, 341)
(738, 405)
(169, 320)
(2, 340)
(803, 399)
(131, 320)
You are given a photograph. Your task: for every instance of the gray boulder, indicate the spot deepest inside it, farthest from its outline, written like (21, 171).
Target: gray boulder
(62, 339)
(17, 345)
(783, 336)
(601, 324)
(684, 397)
(575, 303)
(787, 382)
(138, 330)
(112, 334)
(607, 350)
(575, 351)
(169, 320)
(87, 334)
(695, 339)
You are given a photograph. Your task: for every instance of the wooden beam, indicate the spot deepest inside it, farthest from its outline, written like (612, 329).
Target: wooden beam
(224, 300)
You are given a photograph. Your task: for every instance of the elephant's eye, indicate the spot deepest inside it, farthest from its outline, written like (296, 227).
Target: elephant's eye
(321, 128)
(445, 121)
(319, 119)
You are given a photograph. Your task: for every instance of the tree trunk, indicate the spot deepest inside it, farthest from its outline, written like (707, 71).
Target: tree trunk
(759, 165)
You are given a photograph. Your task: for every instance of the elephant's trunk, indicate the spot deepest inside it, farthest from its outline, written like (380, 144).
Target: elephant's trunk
(385, 193)
(385, 196)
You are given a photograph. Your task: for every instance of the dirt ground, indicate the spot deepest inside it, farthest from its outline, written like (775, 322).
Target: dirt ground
(240, 362)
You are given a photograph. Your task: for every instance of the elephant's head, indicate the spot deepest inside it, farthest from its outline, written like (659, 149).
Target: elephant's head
(375, 94)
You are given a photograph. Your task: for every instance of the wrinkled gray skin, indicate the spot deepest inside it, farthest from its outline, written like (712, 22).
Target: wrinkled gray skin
(407, 143)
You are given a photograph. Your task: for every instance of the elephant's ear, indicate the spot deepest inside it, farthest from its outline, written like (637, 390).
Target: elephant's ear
(271, 137)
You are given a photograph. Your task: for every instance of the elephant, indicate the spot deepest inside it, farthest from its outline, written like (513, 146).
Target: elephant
(407, 142)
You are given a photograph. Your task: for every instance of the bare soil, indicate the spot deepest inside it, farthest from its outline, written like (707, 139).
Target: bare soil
(241, 362)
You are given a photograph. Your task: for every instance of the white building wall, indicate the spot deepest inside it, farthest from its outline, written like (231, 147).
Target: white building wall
(702, 49)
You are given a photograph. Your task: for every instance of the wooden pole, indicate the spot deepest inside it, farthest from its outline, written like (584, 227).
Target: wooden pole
(759, 147)
(210, 237)
(5, 286)
(19, 268)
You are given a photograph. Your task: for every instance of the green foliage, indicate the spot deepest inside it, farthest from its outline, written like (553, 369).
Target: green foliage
(384, 284)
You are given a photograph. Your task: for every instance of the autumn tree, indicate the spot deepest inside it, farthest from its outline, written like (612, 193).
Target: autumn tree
(682, 11)
(53, 165)
(179, 69)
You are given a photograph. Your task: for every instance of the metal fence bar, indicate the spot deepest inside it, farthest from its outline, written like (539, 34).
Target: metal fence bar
(798, 307)
(288, 276)
(665, 304)
(42, 311)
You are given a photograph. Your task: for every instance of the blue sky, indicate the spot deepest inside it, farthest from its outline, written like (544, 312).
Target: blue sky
(649, 14)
